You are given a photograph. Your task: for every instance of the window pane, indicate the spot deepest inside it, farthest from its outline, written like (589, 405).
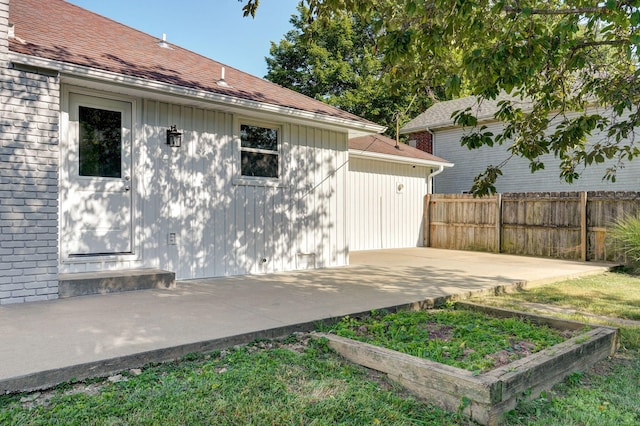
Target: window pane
(257, 164)
(100, 142)
(259, 137)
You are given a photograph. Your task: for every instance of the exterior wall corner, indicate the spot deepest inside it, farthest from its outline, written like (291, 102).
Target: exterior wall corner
(29, 158)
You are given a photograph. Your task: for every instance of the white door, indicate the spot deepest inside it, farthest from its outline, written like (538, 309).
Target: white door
(97, 200)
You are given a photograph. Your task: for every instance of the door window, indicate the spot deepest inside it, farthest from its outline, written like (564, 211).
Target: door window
(100, 137)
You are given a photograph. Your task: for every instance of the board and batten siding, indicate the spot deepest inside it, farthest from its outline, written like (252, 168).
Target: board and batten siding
(517, 176)
(225, 227)
(380, 215)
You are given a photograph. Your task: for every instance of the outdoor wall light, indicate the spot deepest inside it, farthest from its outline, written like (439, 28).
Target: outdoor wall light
(174, 137)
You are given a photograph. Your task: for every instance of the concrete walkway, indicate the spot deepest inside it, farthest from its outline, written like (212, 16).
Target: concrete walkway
(45, 343)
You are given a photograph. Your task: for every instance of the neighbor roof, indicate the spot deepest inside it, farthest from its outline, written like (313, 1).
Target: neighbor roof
(382, 147)
(60, 31)
(439, 114)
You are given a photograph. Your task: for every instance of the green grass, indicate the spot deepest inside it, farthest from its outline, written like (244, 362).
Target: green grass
(608, 393)
(610, 294)
(260, 384)
(460, 338)
(269, 383)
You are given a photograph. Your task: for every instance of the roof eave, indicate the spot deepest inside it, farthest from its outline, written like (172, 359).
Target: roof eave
(354, 128)
(444, 125)
(397, 159)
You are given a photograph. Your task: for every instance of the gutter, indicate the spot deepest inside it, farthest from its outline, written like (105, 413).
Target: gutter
(431, 176)
(356, 128)
(398, 159)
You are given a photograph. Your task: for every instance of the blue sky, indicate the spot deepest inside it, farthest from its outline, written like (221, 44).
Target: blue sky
(213, 28)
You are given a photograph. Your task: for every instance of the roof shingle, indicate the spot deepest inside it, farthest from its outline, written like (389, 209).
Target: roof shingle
(380, 144)
(57, 30)
(439, 114)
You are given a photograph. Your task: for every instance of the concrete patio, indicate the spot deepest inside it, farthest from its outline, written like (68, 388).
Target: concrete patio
(45, 343)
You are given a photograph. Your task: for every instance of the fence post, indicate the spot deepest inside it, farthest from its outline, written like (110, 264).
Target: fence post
(427, 220)
(499, 223)
(583, 226)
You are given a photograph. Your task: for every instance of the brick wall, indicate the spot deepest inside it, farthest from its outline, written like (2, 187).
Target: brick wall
(423, 141)
(4, 29)
(29, 156)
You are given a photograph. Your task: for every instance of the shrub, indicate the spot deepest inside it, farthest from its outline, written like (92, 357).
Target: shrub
(625, 234)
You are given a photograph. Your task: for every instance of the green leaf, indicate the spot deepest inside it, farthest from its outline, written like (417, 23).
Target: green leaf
(453, 85)
(410, 8)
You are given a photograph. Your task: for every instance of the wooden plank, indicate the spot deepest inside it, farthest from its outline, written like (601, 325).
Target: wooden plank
(486, 200)
(433, 376)
(541, 227)
(544, 369)
(583, 226)
(465, 225)
(557, 323)
(498, 224)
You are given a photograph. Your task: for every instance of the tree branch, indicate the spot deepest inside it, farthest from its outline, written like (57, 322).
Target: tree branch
(601, 43)
(575, 11)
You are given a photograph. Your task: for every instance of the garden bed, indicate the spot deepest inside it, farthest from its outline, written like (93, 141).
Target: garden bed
(487, 394)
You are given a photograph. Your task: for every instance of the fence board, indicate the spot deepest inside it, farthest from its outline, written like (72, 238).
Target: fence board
(461, 222)
(565, 225)
(603, 209)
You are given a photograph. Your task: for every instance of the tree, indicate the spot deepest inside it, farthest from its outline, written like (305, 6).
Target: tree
(335, 61)
(574, 63)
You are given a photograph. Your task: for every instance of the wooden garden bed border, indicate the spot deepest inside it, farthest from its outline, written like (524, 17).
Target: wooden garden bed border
(488, 396)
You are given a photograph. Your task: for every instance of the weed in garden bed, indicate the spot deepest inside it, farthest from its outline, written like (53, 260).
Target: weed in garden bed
(464, 339)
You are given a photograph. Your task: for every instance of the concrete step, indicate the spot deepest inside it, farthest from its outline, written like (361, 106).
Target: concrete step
(85, 283)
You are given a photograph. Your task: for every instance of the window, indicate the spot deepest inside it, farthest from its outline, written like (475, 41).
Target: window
(100, 142)
(259, 155)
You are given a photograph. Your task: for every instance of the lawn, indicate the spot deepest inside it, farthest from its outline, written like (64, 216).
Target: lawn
(610, 294)
(295, 382)
(609, 393)
(300, 381)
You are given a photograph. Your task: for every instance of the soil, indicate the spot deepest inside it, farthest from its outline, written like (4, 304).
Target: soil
(439, 331)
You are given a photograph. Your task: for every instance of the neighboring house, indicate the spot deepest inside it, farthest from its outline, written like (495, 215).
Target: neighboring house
(387, 184)
(120, 151)
(435, 132)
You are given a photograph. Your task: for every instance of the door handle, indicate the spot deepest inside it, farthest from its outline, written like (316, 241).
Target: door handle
(127, 188)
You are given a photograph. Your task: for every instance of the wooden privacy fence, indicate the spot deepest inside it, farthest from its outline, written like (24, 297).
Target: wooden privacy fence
(565, 225)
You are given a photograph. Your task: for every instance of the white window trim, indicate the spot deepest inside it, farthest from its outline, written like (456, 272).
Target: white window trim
(239, 179)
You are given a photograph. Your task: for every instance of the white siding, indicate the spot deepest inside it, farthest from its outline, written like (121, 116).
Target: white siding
(516, 174)
(225, 227)
(381, 216)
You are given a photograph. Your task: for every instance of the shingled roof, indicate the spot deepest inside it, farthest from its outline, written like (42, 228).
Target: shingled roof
(60, 31)
(382, 146)
(439, 114)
